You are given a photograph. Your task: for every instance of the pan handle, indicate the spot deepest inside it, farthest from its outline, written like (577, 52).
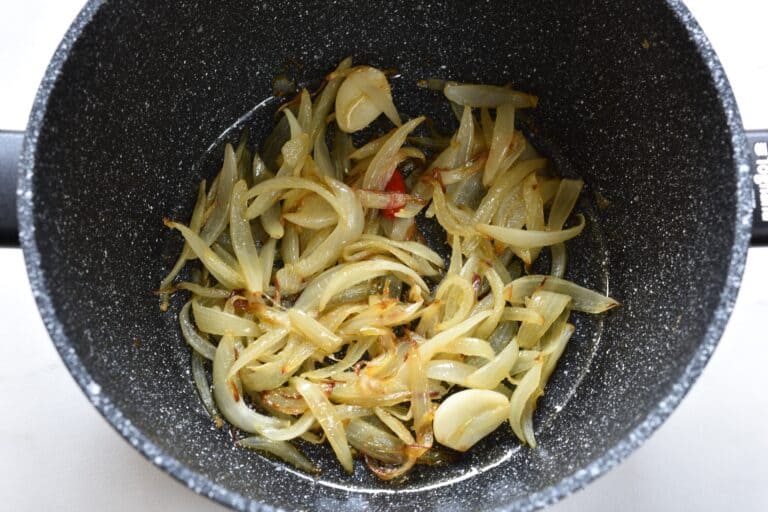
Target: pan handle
(758, 148)
(10, 149)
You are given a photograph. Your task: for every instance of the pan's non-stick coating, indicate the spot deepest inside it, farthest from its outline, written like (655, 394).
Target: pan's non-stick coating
(141, 90)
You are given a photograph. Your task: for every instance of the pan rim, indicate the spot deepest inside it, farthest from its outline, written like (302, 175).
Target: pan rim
(577, 479)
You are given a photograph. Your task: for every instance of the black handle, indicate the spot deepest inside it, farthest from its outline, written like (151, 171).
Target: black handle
(10, 149)
(758, 148)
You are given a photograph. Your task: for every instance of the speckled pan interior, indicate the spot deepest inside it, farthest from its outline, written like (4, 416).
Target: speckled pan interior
(138, 98)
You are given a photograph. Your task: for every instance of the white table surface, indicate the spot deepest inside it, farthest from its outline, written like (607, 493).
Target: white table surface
(57, 453)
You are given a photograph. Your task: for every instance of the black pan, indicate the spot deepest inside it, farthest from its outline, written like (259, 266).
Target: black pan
(140, 95)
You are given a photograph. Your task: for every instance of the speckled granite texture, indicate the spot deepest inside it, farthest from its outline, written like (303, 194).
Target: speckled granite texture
(632, 98)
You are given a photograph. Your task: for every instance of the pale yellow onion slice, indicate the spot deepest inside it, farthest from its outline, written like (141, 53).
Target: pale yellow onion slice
(242, 240)
(264, 344)
(466, 417)
(267, 258)
(354, 354)
(217, 222)
(384, 314)
(290, 246)
(201, 345)
(375, 442)
(549, 305)
(264, 192)
(200, 379)
(456, 298)
(525, 361)
(517, 314)
(194, 225)
(497, 310)
(271, 222)
(567, 193)
(395, 425)
(437, 343)
(527, 238)
(534, 209)
(448, 370)
(305, 111)
(325, 415)
(335, 317)
(327, 99)
(348, 229)
(314, 331)
(204, 291)
(491, 96)
(354, 273)
(296, 429)
(553, 347)
(228, 393)
(214, 321)
(584, 299)
(223, 273)
(503, 133)
(471, 346)
(281, 449)
(314, 213)
(446, 217)
(559, 256)
(370, 148)
(491, 374)
(413, 254)
(322, 154)
(523, 402)
(383, 164)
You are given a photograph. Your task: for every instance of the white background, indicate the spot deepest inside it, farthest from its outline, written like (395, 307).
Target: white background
(57, 453)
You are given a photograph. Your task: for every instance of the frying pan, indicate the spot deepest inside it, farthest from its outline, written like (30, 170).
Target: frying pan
(133, 111)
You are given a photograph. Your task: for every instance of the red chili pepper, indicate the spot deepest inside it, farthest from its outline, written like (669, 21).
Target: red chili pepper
(396, 184)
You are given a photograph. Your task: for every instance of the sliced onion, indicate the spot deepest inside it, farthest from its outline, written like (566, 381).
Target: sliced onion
(267, 258)
(264, 344)
(242, 240)
(325, 415)
(200, 345)
(503, 132)
(354, 273)
(281, 449)
(383, 164)
(487, 96)
(567, 193)
(375, 442)
(468, 416)
(529, 238)
(314, 331)
(229, 396)
(217, 222)
(214, 321)
(204, 389)
(491, 374)
(223, 273)
(354, 354)
(448, 370)
(516, 314)
(349, 228)
(522, 401)
(549, 305)
(584, 299)
(194, 225)
(437, 343)
(297, 429)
